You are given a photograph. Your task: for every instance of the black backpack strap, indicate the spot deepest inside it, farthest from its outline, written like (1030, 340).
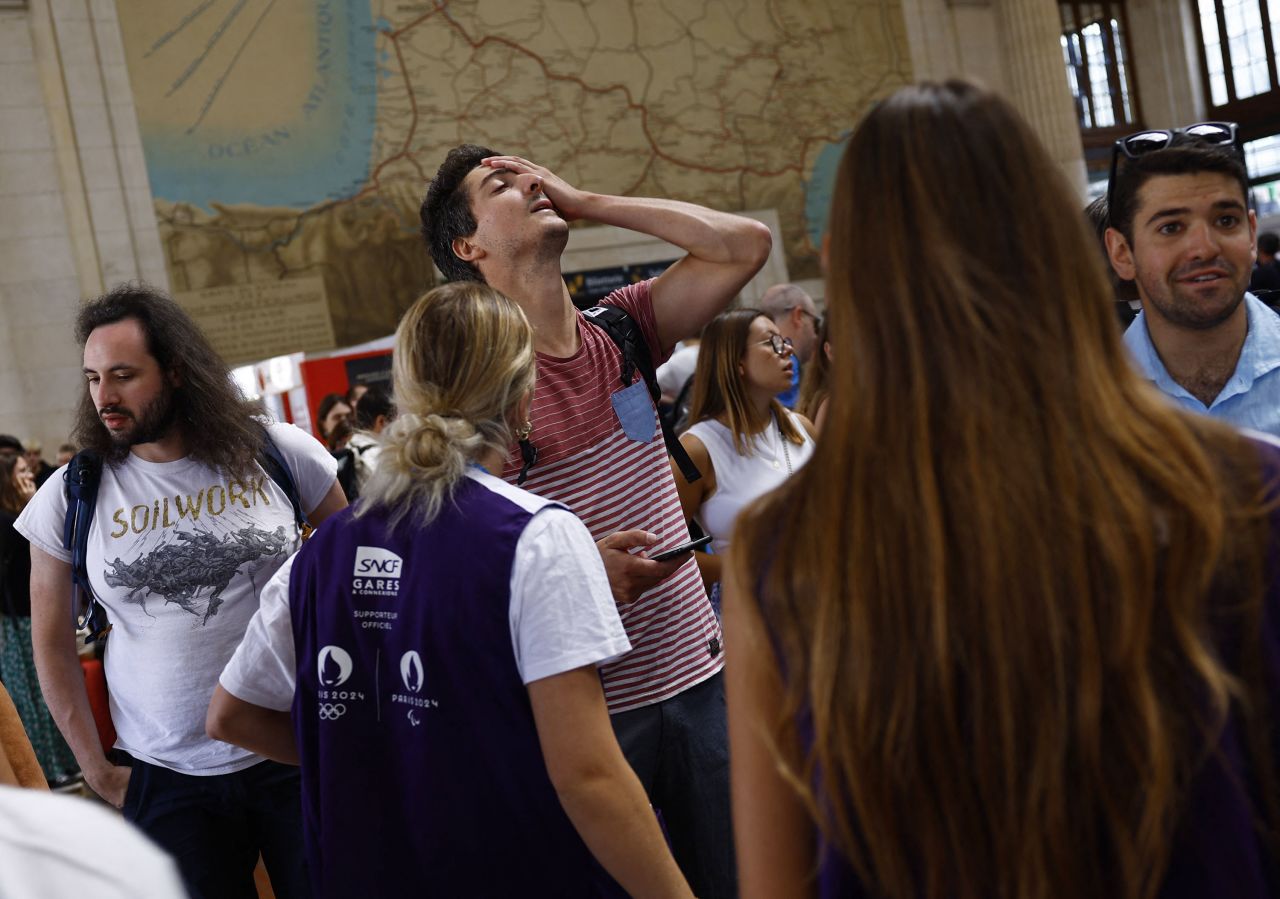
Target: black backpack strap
(273, 463)
(83, 474)
(623, 331)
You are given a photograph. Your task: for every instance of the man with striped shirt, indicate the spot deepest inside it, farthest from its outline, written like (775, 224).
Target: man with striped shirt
(504, 220)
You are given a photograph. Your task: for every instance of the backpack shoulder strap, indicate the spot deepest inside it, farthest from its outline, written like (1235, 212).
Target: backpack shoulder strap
(624, 331)
(274, 464)
(82, 477)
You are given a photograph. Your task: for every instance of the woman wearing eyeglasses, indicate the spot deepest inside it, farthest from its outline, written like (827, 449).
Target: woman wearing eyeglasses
(742, 439)
(1015, 631)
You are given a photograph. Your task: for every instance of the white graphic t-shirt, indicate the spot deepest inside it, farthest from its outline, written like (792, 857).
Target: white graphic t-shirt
(178, 553)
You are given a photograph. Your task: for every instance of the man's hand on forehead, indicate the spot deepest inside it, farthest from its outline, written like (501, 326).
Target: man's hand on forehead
(568, 200)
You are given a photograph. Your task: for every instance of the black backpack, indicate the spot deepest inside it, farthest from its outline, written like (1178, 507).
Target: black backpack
(350, 469)
(623, 331)
(83, 474)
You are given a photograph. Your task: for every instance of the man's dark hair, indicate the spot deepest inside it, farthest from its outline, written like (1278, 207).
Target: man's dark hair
(1269, 243)
(446, 211)
(11, 444)
(1185, 156)
(222, 428)
(1096, 215)
(375, 402)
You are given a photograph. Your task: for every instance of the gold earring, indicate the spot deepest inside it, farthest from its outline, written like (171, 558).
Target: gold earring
(523, 432)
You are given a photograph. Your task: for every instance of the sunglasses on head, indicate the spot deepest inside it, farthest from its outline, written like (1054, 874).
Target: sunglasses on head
(1140, 143)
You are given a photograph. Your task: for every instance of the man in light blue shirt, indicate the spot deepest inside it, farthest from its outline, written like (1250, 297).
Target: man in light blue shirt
(1182, 231)
(1251, 396)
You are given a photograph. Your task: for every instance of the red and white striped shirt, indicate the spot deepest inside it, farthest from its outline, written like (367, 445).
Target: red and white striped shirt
(614, 483)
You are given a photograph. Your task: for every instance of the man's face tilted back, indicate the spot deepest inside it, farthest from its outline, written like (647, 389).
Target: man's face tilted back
(133, 396)
(514, 219)
(1192, 248)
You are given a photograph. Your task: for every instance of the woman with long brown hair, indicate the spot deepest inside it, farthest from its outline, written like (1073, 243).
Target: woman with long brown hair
(742, 439)
(815, 380)
(1004, 636)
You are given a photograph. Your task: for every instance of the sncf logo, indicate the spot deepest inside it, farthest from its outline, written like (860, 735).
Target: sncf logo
(374, 561)
(334, 666)
(411, 671)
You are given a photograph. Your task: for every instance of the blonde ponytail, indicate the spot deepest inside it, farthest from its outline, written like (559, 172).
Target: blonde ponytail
(463, 361)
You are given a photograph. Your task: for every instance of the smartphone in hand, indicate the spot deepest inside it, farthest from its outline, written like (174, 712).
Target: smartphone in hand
(668, 554)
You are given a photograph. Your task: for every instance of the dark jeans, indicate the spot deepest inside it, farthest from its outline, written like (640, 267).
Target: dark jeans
(215, 826)
(679, 749)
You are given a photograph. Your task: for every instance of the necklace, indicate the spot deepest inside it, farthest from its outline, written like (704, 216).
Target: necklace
(786, 451)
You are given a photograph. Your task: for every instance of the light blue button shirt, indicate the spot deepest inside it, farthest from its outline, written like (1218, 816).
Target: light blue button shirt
(1251, 397)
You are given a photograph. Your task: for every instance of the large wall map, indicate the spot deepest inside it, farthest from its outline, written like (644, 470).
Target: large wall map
(288, 142)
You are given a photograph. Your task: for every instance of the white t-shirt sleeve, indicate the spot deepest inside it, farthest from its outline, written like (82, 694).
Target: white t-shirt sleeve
(263, 670)
(41, 522)
(312, 466)
(562, 612)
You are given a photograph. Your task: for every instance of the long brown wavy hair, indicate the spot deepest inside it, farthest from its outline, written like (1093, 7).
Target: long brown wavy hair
(989, 589)
(223, 428)
(719, 387)
(814, 377)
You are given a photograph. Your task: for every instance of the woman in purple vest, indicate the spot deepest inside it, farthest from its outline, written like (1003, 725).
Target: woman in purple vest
(429, 657)
(1015, 630)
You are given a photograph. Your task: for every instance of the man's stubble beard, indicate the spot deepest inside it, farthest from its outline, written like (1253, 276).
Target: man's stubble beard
(1186, 311)
(155, 422)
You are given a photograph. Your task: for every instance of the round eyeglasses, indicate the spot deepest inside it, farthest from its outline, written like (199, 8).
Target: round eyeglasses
(781, 345)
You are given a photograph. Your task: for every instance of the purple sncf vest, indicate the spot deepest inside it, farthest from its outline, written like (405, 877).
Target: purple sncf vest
(421, 768)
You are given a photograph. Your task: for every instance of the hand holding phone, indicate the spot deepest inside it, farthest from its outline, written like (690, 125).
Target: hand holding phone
(669, 554)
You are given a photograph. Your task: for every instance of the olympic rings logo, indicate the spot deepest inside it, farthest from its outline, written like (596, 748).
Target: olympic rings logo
(332, 711)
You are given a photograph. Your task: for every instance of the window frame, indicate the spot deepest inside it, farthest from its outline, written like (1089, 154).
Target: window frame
(1257, 116)
(1094, 137)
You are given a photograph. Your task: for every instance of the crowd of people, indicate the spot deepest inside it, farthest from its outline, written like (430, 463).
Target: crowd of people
(1000, 594)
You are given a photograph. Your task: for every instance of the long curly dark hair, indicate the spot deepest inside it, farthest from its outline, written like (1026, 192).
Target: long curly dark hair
(207, 402)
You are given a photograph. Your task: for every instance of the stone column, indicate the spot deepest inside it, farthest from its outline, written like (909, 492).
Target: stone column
(1029, 32)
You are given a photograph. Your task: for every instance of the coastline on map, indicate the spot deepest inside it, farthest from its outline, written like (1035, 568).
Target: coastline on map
(319, 149)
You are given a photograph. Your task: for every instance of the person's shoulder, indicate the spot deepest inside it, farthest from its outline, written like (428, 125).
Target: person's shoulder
(631, 297)
(704, 427)
(53, 492)
(296, 444)
(286, 434)
(803, 424)
(1268, 444)
(363, 440)
(518, 497)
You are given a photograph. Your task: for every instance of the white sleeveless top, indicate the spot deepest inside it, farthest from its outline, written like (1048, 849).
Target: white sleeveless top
(770, 460)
